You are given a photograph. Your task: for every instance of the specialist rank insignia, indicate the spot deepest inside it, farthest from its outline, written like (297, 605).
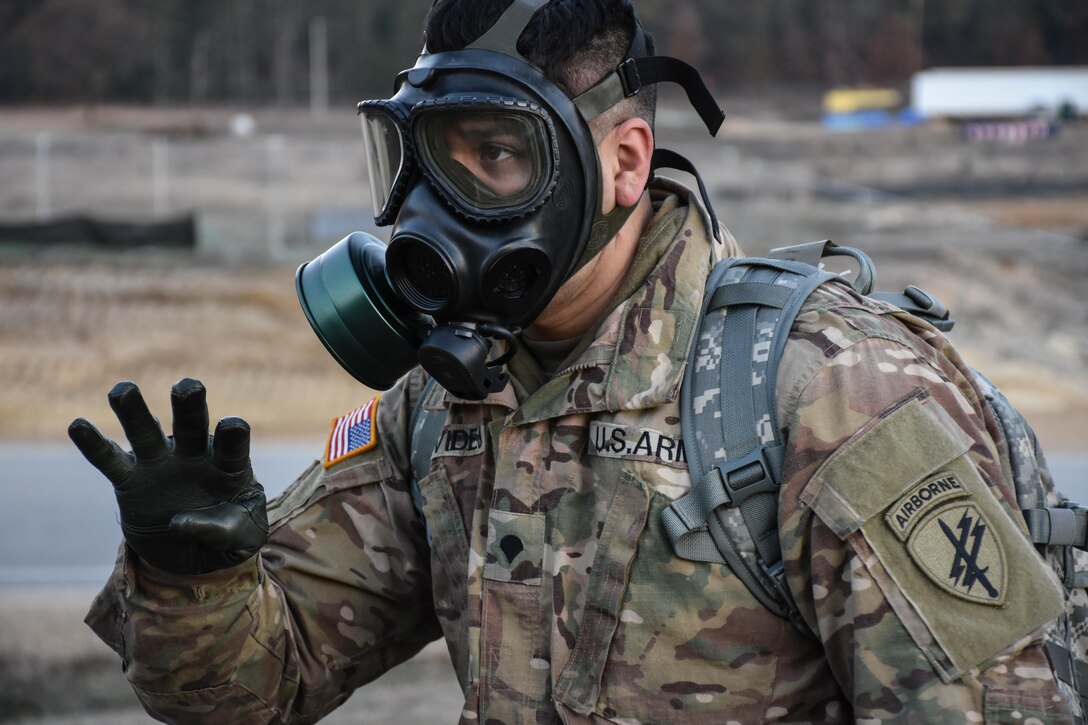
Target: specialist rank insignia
(950, 540)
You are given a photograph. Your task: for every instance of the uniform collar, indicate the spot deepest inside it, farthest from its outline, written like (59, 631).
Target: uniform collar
(635, 358)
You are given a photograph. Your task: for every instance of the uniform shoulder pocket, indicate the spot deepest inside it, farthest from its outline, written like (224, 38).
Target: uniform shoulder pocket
(319, 481)
(896, 449)
(951, 560)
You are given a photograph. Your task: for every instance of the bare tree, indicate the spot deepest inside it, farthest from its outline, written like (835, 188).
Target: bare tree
(256, 51)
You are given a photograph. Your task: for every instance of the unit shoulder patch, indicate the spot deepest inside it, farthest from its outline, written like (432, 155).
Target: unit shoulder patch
(353, 433)
(959, 550)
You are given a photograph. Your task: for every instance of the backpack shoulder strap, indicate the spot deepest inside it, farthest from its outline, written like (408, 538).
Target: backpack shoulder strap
(731, 435)
(426, 427)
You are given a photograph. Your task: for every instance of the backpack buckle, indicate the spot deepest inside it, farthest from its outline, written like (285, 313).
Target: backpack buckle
(929, 307)
(746, 476)
(777, 574)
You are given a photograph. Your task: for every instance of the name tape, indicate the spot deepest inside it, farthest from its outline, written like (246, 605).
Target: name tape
(609, 440)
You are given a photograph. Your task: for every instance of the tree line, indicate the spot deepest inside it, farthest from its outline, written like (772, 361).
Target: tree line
(258, 52)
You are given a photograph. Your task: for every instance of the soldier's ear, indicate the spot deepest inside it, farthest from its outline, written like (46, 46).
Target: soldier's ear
(626, 152)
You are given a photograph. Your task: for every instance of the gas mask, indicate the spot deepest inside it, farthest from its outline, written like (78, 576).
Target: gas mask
(489, 175)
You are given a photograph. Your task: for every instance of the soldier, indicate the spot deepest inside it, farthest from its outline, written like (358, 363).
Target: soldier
(539, 553)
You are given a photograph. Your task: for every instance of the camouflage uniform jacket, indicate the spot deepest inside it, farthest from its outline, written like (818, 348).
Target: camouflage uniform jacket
(549, 574)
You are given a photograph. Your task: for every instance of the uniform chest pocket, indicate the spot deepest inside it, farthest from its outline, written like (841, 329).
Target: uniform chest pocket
(449, 564)
(693, 645)
(594, 543)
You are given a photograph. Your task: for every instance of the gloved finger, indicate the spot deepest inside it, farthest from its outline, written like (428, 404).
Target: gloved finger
(230, 445)
(141, 428)
(100, 452)
(222, 527)
(189, 403)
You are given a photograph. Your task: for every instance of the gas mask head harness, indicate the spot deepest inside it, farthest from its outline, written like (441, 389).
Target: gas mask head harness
(488, 173)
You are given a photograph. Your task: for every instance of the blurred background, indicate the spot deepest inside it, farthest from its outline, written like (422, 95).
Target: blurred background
(165, 166)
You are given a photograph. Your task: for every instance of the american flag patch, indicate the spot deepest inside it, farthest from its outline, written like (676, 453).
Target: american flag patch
(353, 434)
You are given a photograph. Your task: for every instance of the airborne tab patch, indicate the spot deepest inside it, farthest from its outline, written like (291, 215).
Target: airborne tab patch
(353, 433)
(911, 507)
(959, 550)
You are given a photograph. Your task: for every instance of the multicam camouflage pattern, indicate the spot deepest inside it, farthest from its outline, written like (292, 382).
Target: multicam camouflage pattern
(879, 387)
(549, 573)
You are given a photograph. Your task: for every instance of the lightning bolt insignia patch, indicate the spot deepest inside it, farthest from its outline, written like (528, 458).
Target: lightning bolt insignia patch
(958, 550)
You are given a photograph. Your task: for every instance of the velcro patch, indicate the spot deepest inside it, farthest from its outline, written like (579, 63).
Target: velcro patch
(515, 547)
(461, 440)
(616, 441)
(960, 551)
(915, 503)
(353, 433)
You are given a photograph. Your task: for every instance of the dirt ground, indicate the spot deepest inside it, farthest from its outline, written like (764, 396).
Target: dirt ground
(70, 328)
(998, 232)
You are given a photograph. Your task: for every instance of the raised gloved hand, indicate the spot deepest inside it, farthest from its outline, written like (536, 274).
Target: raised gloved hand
(189, 503)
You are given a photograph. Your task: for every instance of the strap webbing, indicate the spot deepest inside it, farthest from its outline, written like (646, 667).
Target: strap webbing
(634, 73)
(750, 293)
(665, 159)
(746, 425)
(1058, 526)
(1071, 671)
(731, 437)
(504, 34)
(425, 428)
(1060, 661)
(656, 69)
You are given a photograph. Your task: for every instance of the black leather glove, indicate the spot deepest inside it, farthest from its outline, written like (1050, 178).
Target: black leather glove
(189, 503)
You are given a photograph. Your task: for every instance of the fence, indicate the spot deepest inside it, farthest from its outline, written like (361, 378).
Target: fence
(270, 194)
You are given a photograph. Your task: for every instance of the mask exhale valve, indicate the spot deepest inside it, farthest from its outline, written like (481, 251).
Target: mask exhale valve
(456, 356)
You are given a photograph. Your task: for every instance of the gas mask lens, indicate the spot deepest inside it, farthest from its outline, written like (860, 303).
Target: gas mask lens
(498, 158)
(491, 158)
(384, 144)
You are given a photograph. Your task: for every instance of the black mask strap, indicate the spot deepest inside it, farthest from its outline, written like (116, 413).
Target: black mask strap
(504, 34)
(640, 70)
(665, 159)
(605, 227)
